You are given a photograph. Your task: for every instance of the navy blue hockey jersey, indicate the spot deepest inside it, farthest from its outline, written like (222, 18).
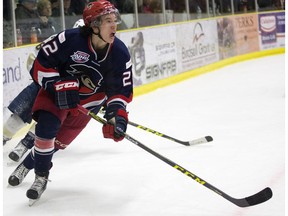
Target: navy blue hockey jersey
(104, 75)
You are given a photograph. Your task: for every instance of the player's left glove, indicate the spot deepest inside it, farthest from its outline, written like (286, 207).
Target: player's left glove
(116, 125)
(65, 92)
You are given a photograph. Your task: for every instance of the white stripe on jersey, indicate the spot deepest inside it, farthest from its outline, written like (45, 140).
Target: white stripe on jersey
(42, 75)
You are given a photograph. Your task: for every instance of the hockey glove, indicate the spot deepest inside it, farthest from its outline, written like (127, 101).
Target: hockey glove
(116, 126)
(66, 94)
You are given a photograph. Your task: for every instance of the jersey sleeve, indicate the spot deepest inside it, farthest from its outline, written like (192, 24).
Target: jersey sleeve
(119, 82)
(50, 56)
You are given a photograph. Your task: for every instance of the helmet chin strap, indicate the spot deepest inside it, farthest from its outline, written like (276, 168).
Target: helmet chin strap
(99, 35)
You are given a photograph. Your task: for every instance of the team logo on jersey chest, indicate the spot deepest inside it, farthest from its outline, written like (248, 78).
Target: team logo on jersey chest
(89, 77)
(80, 57)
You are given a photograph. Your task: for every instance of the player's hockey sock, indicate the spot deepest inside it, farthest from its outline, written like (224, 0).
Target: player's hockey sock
(43, 153)
(29, 160)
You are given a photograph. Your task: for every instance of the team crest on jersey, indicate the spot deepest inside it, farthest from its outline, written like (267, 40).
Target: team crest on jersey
(80, 57)
(90, 78)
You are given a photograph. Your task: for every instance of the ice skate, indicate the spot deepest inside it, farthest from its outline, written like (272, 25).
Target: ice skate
(18, 175)
(18, 152)
(22, 147)
(31, 202)
(37, 188)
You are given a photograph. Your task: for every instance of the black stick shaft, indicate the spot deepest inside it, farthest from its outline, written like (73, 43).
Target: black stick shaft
(157, 133)
(186, 143)
(255, 199)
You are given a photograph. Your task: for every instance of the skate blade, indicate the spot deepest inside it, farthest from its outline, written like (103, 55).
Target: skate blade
(32, 201)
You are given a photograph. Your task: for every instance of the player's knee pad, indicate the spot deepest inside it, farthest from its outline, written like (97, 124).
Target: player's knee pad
(47, 125)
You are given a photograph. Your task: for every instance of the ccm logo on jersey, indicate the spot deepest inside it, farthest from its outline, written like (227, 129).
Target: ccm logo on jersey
(66, 85)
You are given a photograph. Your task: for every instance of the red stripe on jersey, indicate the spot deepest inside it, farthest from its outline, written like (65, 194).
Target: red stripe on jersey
(93, 100)
(39, 72)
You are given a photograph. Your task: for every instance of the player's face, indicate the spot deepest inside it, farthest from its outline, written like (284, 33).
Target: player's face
(108, 27)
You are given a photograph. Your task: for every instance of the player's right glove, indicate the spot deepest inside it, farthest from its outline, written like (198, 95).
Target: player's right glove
(116, 125)
(65, 91)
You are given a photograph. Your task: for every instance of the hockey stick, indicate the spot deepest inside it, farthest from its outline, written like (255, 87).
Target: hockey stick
(186, 143)
(255, 199)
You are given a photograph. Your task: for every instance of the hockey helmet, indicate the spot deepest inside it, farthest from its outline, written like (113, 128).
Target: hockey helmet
(94, 10)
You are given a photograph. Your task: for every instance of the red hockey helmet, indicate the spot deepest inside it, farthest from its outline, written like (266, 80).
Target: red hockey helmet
(94, 10)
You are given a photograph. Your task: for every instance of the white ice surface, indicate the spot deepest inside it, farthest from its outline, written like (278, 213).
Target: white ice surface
(240, 106)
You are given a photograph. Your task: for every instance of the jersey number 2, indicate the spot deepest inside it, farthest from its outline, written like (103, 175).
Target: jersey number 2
(50, 49)
(127, 78)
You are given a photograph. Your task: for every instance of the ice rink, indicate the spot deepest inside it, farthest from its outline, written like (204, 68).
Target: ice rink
(241, 106)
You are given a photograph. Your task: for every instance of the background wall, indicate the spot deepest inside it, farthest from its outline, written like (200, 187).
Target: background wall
(163, 51)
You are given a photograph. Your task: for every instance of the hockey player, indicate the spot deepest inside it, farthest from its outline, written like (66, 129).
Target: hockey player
(89, 66)
(21, 116)
(21, 108)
